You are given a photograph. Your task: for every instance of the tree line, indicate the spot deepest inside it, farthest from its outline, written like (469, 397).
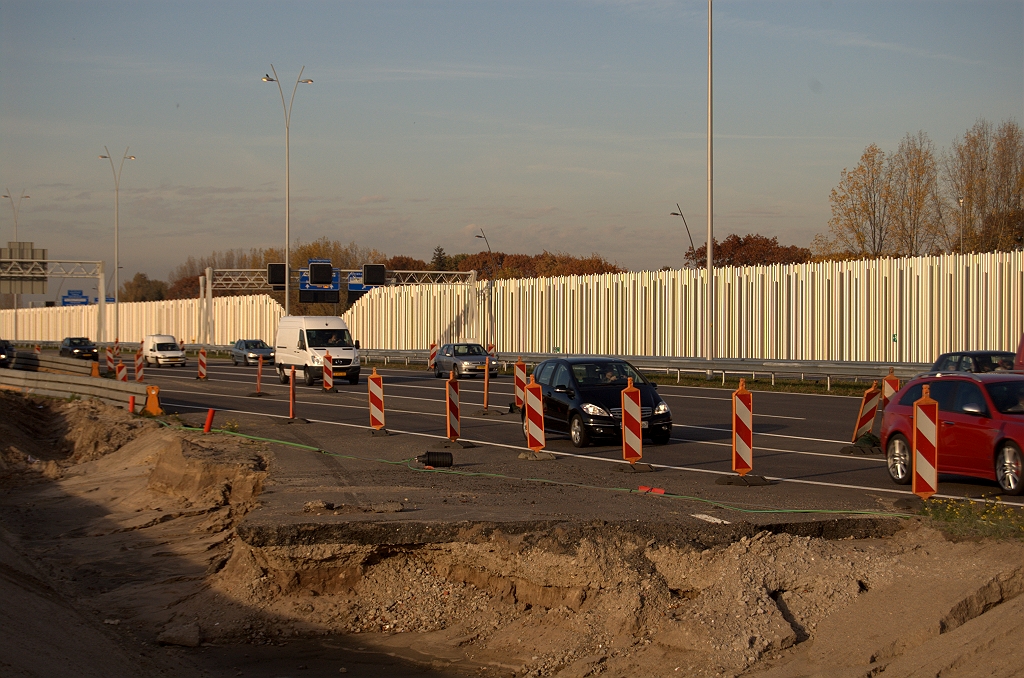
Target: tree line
(919, 200)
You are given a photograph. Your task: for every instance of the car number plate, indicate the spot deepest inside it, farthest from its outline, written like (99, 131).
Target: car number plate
(643, 424)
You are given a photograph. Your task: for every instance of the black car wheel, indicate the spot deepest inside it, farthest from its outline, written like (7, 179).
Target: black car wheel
(1009, 469)
(354, 379)
(897, 460)
(234, 361)
(283, 375)
(578, 432)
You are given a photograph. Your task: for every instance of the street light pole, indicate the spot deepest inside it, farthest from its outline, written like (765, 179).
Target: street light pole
(15, 207)
(709, 332)
(961, 200)
(680, 215)
(287, 178)
(490, 289)
(117, 260)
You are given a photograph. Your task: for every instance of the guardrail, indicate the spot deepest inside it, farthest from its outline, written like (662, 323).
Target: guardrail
(65, 385)
(30, 362)
(679, 366)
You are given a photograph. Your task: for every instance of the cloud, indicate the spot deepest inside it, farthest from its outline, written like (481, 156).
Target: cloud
(372, 198)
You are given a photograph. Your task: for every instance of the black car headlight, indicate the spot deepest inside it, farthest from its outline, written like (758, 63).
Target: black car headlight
(594, 410)
(662, 408)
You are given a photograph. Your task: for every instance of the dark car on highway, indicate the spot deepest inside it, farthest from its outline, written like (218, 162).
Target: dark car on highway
(78, 347)
(583, 397)
(6, 353)
(974, 361)
(980, 427)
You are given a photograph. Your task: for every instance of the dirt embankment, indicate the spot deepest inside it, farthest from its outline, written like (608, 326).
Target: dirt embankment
(153, 531)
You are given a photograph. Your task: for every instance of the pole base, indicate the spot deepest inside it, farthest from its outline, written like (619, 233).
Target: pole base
(514, 409)
(460, 444)
(379, 432)
(537, 456)
(489, 413)
(636, 468)
(743, 481)
(257, 394)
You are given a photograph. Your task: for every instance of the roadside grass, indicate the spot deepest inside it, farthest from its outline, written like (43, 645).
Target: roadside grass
(763, 382)
(963, 519)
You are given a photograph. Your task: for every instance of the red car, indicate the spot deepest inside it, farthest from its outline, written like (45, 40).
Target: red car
(981, 427)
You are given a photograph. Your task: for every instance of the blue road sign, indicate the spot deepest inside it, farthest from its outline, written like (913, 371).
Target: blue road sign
(74, 300)
(305, 286)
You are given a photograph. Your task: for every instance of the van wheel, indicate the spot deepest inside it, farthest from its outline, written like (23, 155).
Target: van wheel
(354, 380)
(308, 377)
(282, 375)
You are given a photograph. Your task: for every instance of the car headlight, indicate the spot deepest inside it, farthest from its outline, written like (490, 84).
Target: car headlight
(594, 410)
(661, 408)
(316, 359)
(252, 355)
(76, 351)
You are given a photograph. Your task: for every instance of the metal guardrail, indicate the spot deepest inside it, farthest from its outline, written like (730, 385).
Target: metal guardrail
(29, 361)
(65, 385)
(679, 366)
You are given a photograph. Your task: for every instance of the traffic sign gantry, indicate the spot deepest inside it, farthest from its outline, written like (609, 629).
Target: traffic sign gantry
(375, 390)
(926, 446)
(328, 379)
(742, 430)
(452, 407)
(868, 408)
(533, 416)
(520, 380)
(890, 385)
(632, 433)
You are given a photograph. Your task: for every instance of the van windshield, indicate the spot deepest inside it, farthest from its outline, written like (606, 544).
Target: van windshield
(328, 339)
(167, 347)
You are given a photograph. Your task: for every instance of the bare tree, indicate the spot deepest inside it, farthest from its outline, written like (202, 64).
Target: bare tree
(860, 223)
(914, 177)
(1003, 227)
(966, 178)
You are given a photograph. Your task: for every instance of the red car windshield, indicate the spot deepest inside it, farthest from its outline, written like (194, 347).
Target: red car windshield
(1007, 396)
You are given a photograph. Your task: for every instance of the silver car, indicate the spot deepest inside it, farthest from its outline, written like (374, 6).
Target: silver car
(466, 360)
(248, 352)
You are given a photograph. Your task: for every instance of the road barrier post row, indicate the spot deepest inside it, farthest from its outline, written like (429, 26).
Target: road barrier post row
(742, 430)
(375, 393)
(452, 407)
(202, 364)
(632, 431)
(533, 419)
(328, 378)
(925, 449)
(139, 367)
(520, 384)
(868, 409)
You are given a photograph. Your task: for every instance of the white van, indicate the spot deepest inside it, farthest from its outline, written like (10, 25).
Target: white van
(162, 349)
(302, 341)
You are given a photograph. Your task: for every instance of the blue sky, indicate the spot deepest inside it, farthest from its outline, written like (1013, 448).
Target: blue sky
(566, 126)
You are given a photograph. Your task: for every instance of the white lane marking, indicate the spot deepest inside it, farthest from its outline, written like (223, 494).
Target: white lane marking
(798, 481)
(709, 519)
(773, 435)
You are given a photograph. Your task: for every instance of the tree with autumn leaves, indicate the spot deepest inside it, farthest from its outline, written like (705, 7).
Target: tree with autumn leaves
(918, 200)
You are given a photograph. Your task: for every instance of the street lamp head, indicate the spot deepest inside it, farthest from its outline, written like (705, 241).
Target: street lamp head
(104, 157)
(131, 157)
(267, 78)
(306, 81)
(475, 236)
(675, 214)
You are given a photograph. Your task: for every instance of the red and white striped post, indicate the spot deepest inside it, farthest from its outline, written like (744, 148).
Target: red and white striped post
(926, 446)
(139, 367)
(375, 390)
(37, 349)
(110, 359)
(117, 349)
(202, 364)
(490, 351)
(868, 408)
(890, 385)
(452, 407)
(742, 430)
(182, 344)
(520, 379)
(632, 433)
(122, 371)
(433, 356)
(328, 373)
(533, 419)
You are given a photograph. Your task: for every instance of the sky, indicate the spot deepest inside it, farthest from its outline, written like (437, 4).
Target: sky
(568, 126)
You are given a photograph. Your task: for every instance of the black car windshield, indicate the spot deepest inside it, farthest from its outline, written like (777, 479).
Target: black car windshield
(606, 373)
(988, 362)
(79, 341)
(168, 347)
(328, 339)
(469, 349)
(1007, 396)
(258, 343)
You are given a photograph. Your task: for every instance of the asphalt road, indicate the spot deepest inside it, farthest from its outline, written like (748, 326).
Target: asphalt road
(797, 437)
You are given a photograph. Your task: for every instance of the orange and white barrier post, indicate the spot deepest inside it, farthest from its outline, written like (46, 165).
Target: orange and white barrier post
(37, 349)
(95, 369)
(291, 394)
(117, 349)
(202, 364)
(375, 389)
(890, 385)
(110, 359)
(153, 401)
(533, 421)
(328, 378)
(433, 356)
(742, 430)
(490, 350)
(122, 371)
(925, 450)
(632, 433)
(868, 408)
(259, 375)
(452, 407)
(139, 367)
(182, 344)
(520, 379)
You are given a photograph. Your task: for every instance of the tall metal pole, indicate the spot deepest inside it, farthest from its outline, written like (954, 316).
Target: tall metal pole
(709, 325)
(16, 207)
(490, 290)
(117, 259)
(287, 179)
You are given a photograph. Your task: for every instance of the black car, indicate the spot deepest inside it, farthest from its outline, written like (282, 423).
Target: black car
(583, 397)
(78, 347)
(6, 353)
(974, 361)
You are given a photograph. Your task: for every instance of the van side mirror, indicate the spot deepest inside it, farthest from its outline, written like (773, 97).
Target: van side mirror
(357, 344)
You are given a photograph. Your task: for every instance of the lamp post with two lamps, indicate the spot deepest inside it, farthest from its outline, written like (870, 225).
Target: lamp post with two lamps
(490, 289)
(117, 203)
(15, 206)
(287, 176)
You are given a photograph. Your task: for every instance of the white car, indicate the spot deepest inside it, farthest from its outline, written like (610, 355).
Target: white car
(162, 349)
